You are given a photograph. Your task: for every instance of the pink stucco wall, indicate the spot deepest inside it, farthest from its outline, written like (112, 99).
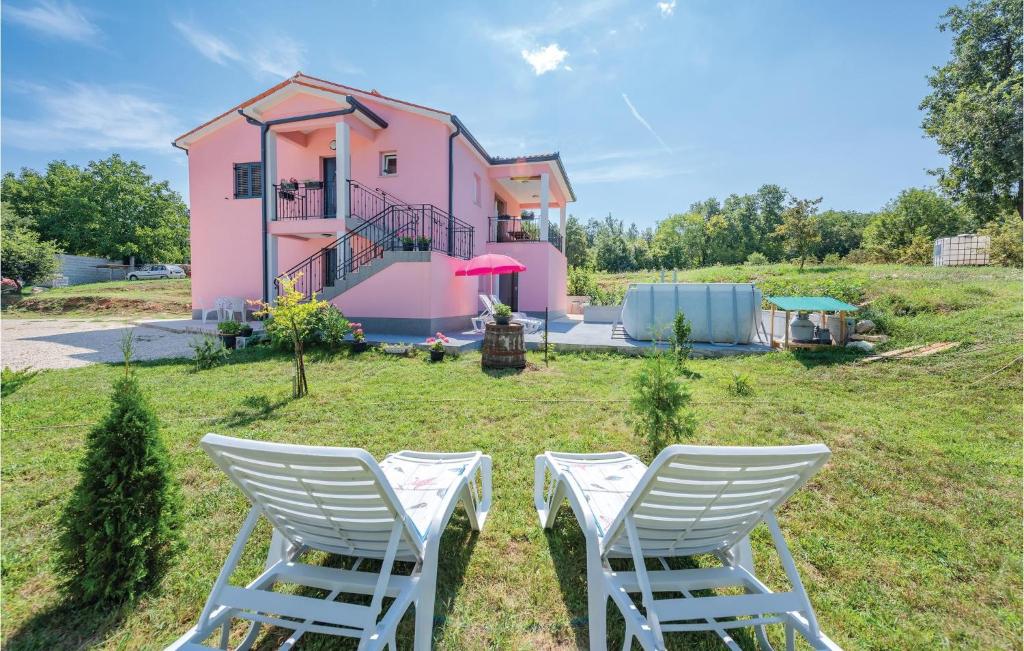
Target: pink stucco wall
(226, 232)
(543, 284)
(413, 290)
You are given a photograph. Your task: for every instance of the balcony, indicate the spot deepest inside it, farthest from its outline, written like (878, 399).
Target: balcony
(310, 200)
(514, 229)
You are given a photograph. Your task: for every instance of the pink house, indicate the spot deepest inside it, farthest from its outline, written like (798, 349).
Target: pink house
(377, 202)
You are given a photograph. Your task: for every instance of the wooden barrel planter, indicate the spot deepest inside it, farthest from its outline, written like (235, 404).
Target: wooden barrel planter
(504, 346)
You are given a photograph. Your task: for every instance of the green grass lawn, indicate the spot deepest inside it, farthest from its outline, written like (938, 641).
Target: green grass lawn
(910, 537)
(119, 298)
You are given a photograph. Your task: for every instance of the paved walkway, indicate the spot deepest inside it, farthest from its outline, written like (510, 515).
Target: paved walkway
(68, 343)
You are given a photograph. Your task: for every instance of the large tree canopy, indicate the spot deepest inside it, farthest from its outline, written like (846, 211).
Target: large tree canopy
(975, 109)
(110, 208)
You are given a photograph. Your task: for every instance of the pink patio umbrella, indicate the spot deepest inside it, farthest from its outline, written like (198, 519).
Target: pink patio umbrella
(491, 264)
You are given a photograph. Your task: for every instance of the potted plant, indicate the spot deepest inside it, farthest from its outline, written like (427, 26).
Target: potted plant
(313, 184)
(502, 314)
(527, 214)
(423, 243)
(229, 331)
(290, 185)
(358, 338)
(246, 330)
(408, 243)
(436, 346)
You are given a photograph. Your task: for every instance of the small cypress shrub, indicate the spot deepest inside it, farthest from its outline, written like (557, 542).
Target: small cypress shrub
(119, 529)
(660, 413)
(680, 339)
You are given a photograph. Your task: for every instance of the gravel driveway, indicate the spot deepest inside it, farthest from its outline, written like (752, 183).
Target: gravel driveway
(67, 343)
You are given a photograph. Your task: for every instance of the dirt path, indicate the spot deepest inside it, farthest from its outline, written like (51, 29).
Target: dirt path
(67, 343)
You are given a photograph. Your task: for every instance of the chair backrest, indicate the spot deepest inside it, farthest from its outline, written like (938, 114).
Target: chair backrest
(334, 499)
(696, 499)
(487, 303)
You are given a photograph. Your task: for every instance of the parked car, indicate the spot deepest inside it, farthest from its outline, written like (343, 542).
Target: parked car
(156, 271)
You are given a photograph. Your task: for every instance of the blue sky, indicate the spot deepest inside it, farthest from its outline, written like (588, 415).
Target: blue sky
(653, 105)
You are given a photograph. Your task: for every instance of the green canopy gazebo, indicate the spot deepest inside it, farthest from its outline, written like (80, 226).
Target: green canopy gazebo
(819, 304)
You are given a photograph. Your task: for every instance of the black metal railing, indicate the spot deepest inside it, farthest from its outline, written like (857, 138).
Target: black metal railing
(397, 227)
(312, 200)
(512, 229)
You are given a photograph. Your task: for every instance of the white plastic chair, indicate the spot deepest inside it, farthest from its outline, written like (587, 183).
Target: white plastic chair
(224, 309)
(691, 500)
(339, 500)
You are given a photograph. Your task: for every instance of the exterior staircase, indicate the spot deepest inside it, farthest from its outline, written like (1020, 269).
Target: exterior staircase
(393, 232)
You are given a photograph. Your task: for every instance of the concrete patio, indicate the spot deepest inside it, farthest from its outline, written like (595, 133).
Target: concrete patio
(567, 334)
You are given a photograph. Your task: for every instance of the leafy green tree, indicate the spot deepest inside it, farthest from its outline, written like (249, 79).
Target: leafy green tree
(611, 252)
(696, 240)
(667, 243)
(577, 244)
(841, 232)
(111, 208)
(23, 257)
(680, 339)
(914, 213)
(119, 529)
(800, 229)
(293, 318)
(976, 108)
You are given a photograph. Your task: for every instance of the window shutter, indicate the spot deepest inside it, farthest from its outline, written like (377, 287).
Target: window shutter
(241, 180)
(248, 180)
(256, 180)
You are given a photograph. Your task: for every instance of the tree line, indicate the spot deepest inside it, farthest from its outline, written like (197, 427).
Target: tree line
(109, 208)
(770, 225)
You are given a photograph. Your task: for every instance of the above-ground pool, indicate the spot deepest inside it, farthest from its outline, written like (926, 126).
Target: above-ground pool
(719, 313)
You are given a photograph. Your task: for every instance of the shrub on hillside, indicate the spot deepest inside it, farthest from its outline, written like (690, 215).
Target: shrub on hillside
(1006, 236)
(756, 258)
(580, 282)
(118, 531)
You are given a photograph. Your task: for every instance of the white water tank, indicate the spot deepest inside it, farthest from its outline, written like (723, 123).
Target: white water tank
(721, 313)
(961, 250)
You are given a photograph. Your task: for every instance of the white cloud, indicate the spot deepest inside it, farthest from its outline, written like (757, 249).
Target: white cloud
(667, 8)
(60, 21)
(545, 59)
(277, 56)
(209, 45)
(645, 123)
(92, 117)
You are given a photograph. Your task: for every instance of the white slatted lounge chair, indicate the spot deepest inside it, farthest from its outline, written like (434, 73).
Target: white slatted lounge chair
(529, 323)
(692, 500)
(339, 500)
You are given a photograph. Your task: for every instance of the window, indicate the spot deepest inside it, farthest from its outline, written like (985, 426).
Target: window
(476, 189)
(388, 164)
(248, 180)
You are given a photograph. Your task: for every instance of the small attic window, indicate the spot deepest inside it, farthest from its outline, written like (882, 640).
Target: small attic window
(388, 163)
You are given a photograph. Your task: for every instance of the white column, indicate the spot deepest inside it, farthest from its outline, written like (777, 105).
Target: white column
(269, 178)
(545, 199)
(561, 220)
(343, 152)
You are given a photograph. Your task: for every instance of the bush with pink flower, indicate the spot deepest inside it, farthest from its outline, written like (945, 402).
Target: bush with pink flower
(358, 335)
(436, 343)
